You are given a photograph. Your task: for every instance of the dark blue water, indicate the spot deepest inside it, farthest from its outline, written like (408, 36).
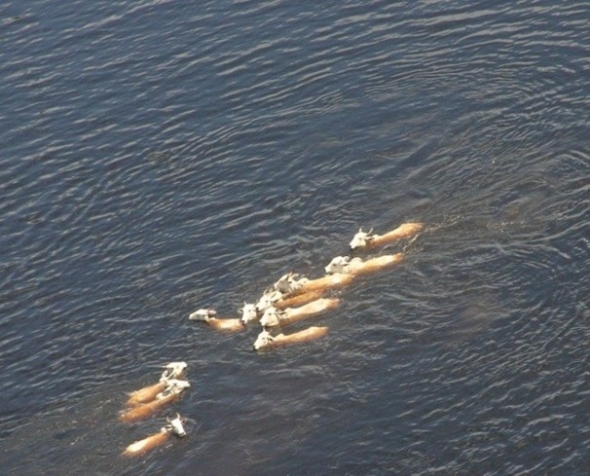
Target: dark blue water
(159, 156)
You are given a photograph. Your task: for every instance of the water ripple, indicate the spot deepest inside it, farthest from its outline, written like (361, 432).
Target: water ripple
(160, 157)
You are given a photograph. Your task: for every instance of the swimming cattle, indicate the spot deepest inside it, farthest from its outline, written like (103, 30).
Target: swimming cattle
(266, 341)
(174, 427)
(370, 240)
(209, 317)
(146, 394)
(295, 285)
(275, 317)
(142, 411)
(343, 264)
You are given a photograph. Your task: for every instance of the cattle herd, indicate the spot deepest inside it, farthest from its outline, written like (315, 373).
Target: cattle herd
(292, 298)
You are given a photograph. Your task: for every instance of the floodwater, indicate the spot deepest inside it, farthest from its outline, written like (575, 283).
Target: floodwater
(163, 156)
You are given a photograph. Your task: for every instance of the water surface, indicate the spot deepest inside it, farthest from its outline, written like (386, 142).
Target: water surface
(159, 157)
